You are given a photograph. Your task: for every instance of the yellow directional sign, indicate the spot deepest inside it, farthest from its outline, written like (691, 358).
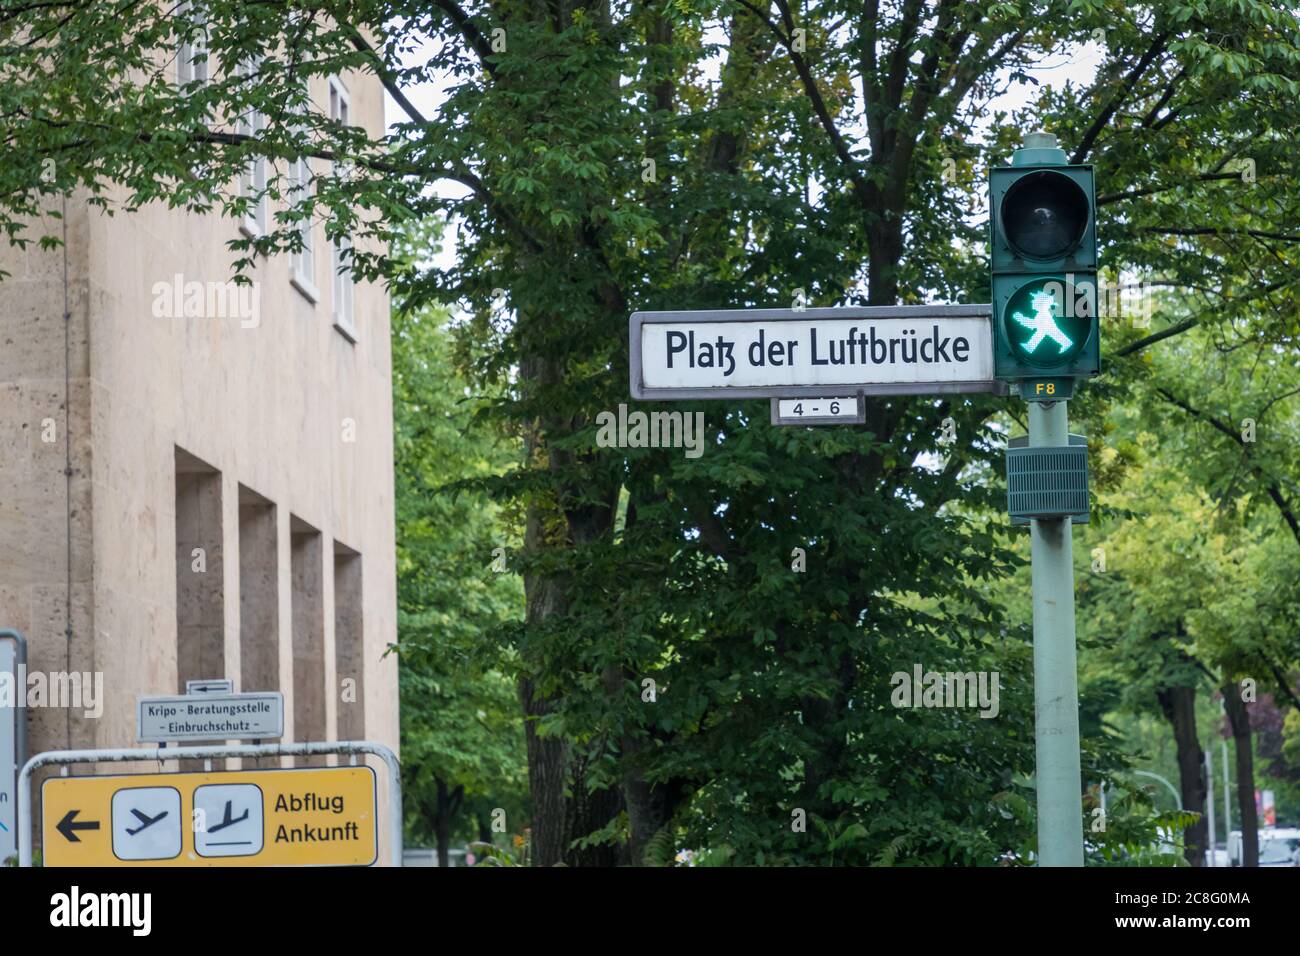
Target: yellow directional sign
(320, 817)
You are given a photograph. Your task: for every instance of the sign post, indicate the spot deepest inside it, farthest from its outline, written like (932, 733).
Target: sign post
(1056, 684)
(1043, 261)
(13, 734)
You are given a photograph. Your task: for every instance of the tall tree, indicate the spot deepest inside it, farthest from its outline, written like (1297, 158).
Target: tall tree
(462, 740)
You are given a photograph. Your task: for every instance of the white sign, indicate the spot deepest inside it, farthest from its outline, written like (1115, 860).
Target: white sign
(12, 693)
(752, 353)
(211, 717)
(217, 685)
(147, 823)
(841, 410)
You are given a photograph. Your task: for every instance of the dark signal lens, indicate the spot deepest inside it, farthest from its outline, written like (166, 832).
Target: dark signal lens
(1044, 215)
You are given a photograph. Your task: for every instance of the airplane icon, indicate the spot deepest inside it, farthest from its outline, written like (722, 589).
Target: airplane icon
(145, 821)
(231, 820)
(227, 820)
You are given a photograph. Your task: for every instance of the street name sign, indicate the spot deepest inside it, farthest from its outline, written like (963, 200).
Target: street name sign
(812, 353)
(253, 716)
(318, 817)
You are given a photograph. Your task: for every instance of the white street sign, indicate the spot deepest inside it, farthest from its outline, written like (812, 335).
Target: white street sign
(841, 410)
(257, 716)
(781, 353)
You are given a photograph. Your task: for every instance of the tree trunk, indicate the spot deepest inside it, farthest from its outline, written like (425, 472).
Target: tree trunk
(547, 765)
(1239, 720)
(588, 811)
(1179, 706)
(884, 250)
(548, 758)
(563, 810)
(443, 818)
(650, 806)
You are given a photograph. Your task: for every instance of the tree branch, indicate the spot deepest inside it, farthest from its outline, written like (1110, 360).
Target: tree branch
(462, 176)
(1164, 98)
(1214, 231)
(472, 34)
(385, 76)
(860, 186)
(1274, 491)
(1283, 685)
(1109, 110)
(1160, 336)
(1152, 190)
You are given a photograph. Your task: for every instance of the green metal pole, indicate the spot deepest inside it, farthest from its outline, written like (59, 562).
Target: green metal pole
(1056, 685)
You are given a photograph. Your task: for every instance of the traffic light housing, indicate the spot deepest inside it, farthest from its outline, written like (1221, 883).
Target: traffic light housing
(1043, 231)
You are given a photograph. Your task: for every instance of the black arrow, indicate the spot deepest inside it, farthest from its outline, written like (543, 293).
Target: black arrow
(69, 829)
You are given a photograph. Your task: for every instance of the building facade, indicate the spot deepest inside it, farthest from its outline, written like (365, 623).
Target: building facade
(198, 478)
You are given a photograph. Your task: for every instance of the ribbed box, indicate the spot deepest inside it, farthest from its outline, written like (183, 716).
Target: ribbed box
(1047, 482)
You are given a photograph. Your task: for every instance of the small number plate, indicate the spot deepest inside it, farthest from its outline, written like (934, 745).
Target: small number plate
(846, 410)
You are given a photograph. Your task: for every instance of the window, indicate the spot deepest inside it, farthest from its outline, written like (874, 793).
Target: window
(343, 301)
(252, 182)
(192, 53)
(338, 101)
(304, 262)
(341, 258)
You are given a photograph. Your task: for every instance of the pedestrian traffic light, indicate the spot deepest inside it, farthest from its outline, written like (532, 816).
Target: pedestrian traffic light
(1043, 231)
